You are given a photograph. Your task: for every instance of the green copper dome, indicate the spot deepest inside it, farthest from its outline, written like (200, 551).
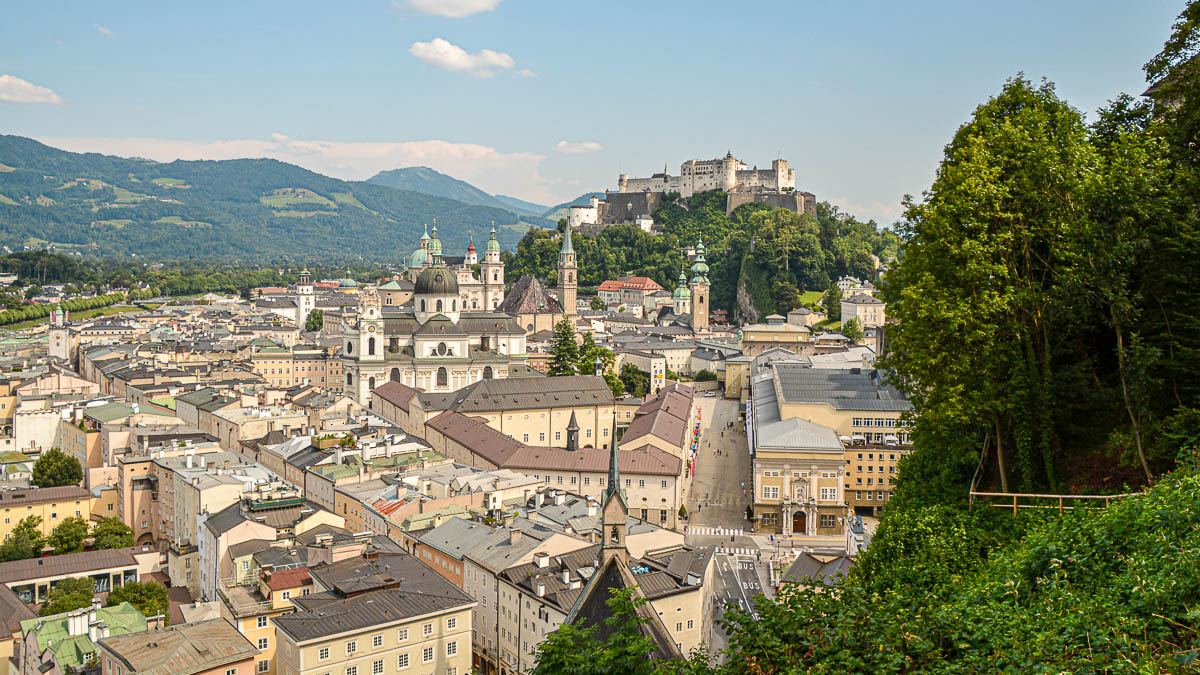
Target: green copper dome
(425, 237)
(699, 267)
(419, 258)
(435, 244)
(681, 291)
(492, 244)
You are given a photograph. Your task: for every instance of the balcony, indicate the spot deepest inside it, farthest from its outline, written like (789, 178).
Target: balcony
(244, 599)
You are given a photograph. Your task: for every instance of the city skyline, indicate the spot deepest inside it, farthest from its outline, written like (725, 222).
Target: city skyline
(546, 101)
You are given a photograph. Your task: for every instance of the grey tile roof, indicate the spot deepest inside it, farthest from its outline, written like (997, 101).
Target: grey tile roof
(522, 393)
(842, 389)
(181, 649)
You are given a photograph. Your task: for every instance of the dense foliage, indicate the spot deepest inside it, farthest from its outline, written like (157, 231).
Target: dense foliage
(26, 540)
(68, 536)
(56, 468)
(243, 209)
(112, 533)
(149, 597)
(761, 258)
(69, 594)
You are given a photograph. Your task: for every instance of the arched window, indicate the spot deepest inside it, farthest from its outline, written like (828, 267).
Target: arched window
(349, 347)
(439, 305)
(453, 305)
(371, 347)
(615, 538)
(349, 379)
(495, 276)
(570, 277)
(702, 299)
(394, 376)
(371, 384)
(422, 305)
(442, 377)
(487, 372)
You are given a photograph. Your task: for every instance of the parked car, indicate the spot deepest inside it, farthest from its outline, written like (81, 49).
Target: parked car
(710, 394)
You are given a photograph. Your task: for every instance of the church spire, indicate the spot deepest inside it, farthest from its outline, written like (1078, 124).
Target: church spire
(614, 474)
(567, 247)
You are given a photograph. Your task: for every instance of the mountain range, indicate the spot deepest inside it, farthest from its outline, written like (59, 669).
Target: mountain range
(240, 209)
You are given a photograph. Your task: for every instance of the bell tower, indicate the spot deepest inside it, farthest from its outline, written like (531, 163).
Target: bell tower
(699, 288)
(615, 512)
(492, 272)
(305, 302)
(568, 280)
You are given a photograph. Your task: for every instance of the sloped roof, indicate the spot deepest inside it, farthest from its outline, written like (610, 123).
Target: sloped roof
(182, 649)
(528, 296)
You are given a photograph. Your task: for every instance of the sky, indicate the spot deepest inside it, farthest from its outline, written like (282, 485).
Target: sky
(546, 100)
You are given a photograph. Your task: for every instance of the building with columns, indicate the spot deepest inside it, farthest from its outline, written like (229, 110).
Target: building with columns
(799, 467)
(437, 342)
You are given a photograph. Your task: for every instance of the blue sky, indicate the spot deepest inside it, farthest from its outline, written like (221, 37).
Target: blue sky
(545, 100)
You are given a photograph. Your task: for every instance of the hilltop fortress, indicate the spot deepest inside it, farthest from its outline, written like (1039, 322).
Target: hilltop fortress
(636, 198)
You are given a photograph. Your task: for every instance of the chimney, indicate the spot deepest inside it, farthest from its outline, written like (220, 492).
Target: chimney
(514, 536)
(541, 560)
(189, 460)
(591, 508)
(226, 465)
(566, 576)
(560, 499)
(539, 499)
(202, 461)
(541, 589)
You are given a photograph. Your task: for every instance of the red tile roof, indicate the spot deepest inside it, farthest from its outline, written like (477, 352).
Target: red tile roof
(284, 579)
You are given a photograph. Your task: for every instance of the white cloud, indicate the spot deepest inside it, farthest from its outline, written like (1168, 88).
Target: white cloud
(15, 90)
(445, 54)
(454, 9)
(525, 72)
(102, 30)
(514, 173)
(577, 147)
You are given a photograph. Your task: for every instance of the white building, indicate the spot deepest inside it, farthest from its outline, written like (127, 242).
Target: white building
(726, 173)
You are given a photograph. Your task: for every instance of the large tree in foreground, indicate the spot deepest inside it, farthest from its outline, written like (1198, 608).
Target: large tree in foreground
(564, 350)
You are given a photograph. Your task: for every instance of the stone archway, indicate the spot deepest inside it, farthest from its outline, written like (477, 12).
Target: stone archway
(799, 523)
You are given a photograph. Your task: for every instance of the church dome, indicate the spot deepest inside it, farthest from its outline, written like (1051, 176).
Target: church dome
(682, 292)
(347, 282)
(436, 281)
(419, 258)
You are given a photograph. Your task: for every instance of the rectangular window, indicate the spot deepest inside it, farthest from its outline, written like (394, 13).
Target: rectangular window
(452, 623)
(828, 494)
(427, 630)
(664, 484)
(261, 622)
(263, 643)
(451, 649)
(323, 653)
(286, 595)
(678, 626)
(557, 436)
(525, 438)
(868, 495)
(427, 655)
(351, 647)
(376, 641)
(264, 665)
(351, 670)
(402, 661)
(559, 480)
(228, 671)
(573, 480)
(641, 483)
(541, 437)
(589, 432)
(377, 667)
(587, 480)
(628, 482)
(826, 521)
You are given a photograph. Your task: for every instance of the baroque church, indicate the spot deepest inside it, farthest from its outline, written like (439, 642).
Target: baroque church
(689, 302)
(453, 332)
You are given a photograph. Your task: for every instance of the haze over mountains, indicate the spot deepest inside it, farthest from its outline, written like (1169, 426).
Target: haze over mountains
(242, 209)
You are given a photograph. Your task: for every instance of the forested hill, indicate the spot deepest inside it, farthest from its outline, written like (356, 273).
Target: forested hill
(242, 209)
(761, 259)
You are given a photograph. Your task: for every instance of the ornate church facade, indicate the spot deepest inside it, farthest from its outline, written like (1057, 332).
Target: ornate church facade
(445, 338)
(483, 293)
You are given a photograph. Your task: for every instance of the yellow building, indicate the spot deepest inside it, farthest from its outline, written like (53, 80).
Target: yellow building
(52, 505)
(776, 332)
(854, 402)
(253, 605)
(871, 475)
(383, 616)
(799, 468)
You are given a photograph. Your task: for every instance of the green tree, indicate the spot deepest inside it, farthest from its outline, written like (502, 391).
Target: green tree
(56, 468)
(832, 301)
(26, 541)
(112, 533)
(149, 597)
(314, 321)
(635, 381)
(626, 649)
(68, 535)
(564, 350)
(706, 375)
(853, 330)
(597, 304)
(69, 594)
(589, 351)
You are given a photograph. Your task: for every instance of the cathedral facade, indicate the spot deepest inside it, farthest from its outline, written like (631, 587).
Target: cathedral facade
(485, 292)
(443, 339)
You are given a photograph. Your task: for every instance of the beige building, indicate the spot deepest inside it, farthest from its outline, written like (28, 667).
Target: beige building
(52, 505)
(776, 332)
(871, 475)
(253, 607)
(389, 615)
(868, 309)
(211, 647)
(854, 402)
(799, 467)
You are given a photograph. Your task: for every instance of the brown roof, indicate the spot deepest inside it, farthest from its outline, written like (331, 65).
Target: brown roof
(293, 578)
(528, 296)
(182, 649)
(43, 495)
(396, 393)
(72, 564)
(506, 452)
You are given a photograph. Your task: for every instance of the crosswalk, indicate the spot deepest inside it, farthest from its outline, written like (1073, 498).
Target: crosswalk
(737, 551)
(718, 531)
